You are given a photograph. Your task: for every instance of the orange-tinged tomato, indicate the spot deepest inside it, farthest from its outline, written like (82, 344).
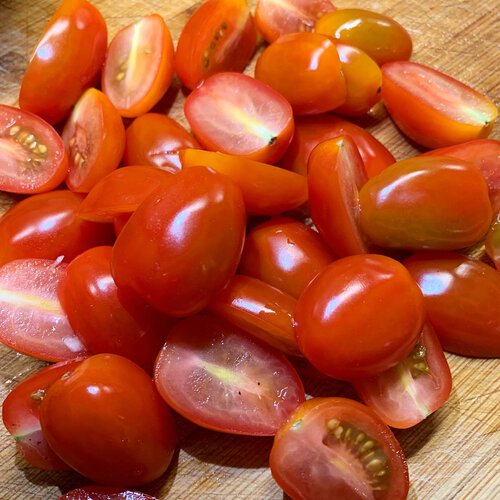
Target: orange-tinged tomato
(380, 36)
(432, 108)
(219, 36)
(305, 68)
(66, 61)
(139, 66)
(492, 243)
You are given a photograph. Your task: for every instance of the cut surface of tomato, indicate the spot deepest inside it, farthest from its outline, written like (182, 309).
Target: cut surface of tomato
(219, 377)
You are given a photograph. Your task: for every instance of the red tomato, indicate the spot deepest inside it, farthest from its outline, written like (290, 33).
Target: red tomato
(154, 139)
(236, 114)
(119, 222)
(46, 226)
(217, 376)
(121, 192)
(219, 36)
(259, 309)
(311, 130)
(104, 493)
(284, 253)
(485, 154)
(20, 413)
(67, 60)
(266, 189)
(343, 325)
(338, 448)
(381, 37)
(461, 299)
(492, 243)
(139, 66)
(335, 175)
(32, 320)
(304, 68)
(426, 203)
(107, 320)
(183, 243)
(409, 392)
(432, 108)
(275, 18)
(94, 137)
(32, 154)
(94, 419)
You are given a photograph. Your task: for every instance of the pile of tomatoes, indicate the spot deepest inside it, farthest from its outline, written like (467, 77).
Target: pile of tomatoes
(203, 272)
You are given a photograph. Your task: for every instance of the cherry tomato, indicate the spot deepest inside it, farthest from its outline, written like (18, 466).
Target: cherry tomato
(104, 493)
(106, 319)
(409, 392)
(311, 130)
(94, 419)
(219, 377)
(426, 203)
(335, 175)
(121, 192)
(32, 320)
(485, 154)
(66, 61)
(119, 222)
(432, 108)
(259, 309)
(266, 189)
(219, 36)
(275, 18)
(154, 139)
(46, 226)
(305, 68)
(284, 253)
(94, 137)
(492, 243)
(338, 448)
(183, 243)
(139, 66)
(381, 37)
(363, 81)
(236, 114)
(461, 298)
(342, 325)
(20, 413)
(31, 153)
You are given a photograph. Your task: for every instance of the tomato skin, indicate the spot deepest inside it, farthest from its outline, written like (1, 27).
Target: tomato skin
(20, 414)
(492, 243)
(67, 60)
(136, 89)
(221, 378)
(311, 130)
(409, 392)
(305, 68)
(461, 298)
(106, 320)
(309, 461)
(46, 226)
(266, 189)
(155, 139)
(448, 112)
(28, 171)
(334, 316)
(259, 309)
(284, 253)
(183, 243)
(381, 37)
(104, 493)
(400, 208)
(219, 36)
(94, 137)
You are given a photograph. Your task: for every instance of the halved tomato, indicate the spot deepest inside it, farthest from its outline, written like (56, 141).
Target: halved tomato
(32, 320)
(236, 114)
(221, 378)
(139, 66)
(32, 155)
(492, 243)
(338, 448)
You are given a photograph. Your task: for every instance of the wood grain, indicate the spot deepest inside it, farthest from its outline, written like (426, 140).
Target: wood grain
(452, 455)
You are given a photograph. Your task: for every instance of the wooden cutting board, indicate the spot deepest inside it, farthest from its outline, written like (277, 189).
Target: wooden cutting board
(452, 455)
